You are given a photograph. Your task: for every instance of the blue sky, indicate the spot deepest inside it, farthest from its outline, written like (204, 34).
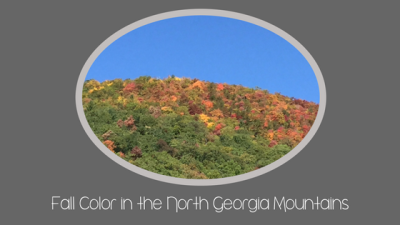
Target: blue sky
(209, 48)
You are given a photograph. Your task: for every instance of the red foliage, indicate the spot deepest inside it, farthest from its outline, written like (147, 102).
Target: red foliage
(194, 109)
(289, 119)
(259, 94)
(137, 152)
(272, 143)
(129, 88)
(120, 123)
(305, 128)
(218, 128)
(129, 122)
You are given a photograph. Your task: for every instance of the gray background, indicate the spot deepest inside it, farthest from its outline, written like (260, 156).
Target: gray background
(46, 152)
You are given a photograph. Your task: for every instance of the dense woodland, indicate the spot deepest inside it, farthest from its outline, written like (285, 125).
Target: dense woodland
(195, 129)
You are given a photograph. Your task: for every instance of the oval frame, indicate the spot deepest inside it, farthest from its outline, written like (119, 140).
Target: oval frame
(201, 12)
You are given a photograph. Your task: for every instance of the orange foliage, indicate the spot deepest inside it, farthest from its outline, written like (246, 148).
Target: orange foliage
(220, 87)
(199, 84)
(271, 134)
(288, 119)
(217, 113)
(173, 98)
(276, 118)
(110, 145)
(208, 104)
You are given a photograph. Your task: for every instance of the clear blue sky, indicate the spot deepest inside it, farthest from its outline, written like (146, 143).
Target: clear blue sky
(209, 48)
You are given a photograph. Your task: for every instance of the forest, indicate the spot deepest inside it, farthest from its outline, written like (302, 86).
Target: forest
(194, 129)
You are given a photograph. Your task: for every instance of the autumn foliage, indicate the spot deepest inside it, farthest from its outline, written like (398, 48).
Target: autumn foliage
(195, 129)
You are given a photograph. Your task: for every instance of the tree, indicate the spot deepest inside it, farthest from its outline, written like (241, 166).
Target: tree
(195, 129)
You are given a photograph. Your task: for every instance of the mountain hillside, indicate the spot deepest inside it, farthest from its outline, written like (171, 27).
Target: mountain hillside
(195, 129)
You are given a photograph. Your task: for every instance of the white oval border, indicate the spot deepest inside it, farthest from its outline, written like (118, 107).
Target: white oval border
(201, 12)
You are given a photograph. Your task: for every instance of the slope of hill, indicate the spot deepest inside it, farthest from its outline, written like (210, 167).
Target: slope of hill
(194, 129)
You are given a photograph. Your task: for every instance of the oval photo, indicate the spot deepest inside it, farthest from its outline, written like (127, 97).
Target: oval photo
(200, 97)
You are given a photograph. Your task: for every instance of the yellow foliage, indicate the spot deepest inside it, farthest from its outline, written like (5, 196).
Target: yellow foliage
(210, 124)
(204, 118)
(92, 83)
(110, 84)
(166, 109)
(96, 89)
